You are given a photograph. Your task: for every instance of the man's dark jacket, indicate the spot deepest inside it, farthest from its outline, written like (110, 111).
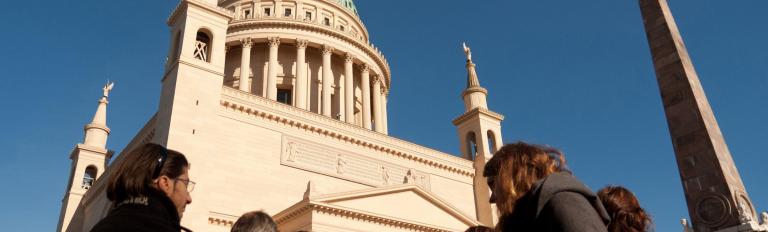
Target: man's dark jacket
(158, 213)
(558, 202)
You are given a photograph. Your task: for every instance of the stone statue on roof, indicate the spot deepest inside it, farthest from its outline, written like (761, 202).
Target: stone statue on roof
(108, 87)
(467, 51)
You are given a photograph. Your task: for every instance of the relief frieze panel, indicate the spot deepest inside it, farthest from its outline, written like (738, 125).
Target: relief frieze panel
(347, 165)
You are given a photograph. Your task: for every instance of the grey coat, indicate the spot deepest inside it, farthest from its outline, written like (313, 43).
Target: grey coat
(559, 202)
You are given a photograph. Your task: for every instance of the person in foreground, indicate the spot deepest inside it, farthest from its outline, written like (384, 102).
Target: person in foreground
(626, 213)
(534, 191)
(479, 229)
(149, 191)
(254, 221)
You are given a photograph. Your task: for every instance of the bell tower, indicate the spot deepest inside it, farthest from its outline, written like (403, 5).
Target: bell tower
(479, 132)
(192, 86)
(89, 160)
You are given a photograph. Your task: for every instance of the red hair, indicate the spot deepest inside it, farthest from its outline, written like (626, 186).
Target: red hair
(626, 213)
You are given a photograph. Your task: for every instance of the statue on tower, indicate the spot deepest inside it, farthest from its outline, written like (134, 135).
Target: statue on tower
(107, 88)
(467, 51)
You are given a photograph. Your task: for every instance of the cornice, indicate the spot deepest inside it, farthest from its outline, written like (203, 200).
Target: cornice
(276, 112)
(97, 126)
(319, 207)
(193, 63)
(229, 15)
(90, 148)
(331, 3)
(365, 193)
(474, 89)
(477, 111)
(369, 49)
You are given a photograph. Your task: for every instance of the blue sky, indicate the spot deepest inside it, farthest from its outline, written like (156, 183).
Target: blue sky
(572, 74)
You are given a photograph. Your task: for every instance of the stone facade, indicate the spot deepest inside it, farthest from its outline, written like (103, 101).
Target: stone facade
(304, 137)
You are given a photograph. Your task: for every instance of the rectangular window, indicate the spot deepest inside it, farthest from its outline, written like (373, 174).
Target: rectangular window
(288, 12)
(327, 21)
(284, 96)
(267, 12)
(341, 27)
(308, 16)
(247, 14)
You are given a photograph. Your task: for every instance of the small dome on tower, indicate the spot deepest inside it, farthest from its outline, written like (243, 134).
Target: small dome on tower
(349, 4)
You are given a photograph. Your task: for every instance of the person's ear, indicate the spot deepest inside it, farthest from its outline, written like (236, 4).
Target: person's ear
(164, 184)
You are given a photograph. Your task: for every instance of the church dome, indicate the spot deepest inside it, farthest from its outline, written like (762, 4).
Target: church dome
(349, 4)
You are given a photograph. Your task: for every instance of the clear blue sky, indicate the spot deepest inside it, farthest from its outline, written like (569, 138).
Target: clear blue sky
(573, 74)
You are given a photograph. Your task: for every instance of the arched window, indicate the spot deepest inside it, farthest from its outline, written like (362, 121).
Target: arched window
(471, 146)
(202, 46)
(89, 177)
(491, 142)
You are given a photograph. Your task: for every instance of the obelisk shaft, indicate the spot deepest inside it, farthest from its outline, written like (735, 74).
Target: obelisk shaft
(714, 192)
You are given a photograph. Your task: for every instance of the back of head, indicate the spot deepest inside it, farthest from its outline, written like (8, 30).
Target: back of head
(626, 213)
(133, 177)
(479, 229)
(254, 221)
(516, 167)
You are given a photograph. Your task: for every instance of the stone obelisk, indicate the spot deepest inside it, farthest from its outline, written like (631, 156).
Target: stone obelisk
(714, 192)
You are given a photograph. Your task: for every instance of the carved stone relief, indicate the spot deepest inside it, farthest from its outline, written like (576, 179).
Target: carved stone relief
(318, 158)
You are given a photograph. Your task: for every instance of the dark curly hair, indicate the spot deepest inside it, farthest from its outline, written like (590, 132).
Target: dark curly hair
(626, 213)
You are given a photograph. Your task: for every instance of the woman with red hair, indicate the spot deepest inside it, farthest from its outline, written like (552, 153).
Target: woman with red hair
(534, 191)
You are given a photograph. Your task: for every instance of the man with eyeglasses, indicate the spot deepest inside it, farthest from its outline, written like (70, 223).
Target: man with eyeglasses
(149, 190)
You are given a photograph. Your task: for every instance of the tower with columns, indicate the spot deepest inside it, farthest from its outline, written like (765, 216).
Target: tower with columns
(479, 132)
(265, 96)
(89, 160)
(338, 73)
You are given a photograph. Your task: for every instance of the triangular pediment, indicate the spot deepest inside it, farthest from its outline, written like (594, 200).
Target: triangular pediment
(404, 202)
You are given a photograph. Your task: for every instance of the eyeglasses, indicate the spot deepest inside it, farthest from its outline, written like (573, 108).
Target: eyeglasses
(190, 184)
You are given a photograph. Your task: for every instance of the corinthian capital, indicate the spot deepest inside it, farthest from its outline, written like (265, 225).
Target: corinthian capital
(247, 42)
(327, 49)
(365, 68)
(375, 78)
(348, 58)
(301, 43)
(273, 41)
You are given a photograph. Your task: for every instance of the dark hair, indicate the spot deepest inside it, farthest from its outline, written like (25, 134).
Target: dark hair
(517, 166)
(479, 229)
(626, 213)
(254, 221)
(133, 177)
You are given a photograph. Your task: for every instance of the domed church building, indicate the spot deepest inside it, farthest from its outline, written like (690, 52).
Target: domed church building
(281, 106)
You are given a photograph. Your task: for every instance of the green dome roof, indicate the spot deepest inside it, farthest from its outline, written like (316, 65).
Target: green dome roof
(348, 4)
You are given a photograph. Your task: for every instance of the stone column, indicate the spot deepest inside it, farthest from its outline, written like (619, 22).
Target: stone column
(327, 80)
(714, 192)
(349, 89)
(365, 83)
(378, 122)
(384, 111)
(301, 74)
(274, 43)
(245, 65)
